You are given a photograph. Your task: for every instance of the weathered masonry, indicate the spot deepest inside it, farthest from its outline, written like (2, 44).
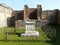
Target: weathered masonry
(32, 13)
(5, 13)
(53, 16)
(29, 13)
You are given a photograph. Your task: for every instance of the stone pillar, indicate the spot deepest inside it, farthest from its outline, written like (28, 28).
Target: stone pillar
(39, 12)
(26, 14)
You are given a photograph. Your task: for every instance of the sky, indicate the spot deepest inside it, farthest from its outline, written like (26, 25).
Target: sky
(19, 4)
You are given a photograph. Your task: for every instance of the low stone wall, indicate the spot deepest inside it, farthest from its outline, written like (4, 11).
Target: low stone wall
(41, 23)
(20, 23)
(37, 23)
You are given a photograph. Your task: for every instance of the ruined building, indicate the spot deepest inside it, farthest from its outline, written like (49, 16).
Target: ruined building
(53, 16)
(29, 13)
(8, 16)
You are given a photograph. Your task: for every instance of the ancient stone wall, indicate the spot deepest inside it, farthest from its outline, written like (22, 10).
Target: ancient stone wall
(5, 13)
(32, 13)
(53, 16)
(50, 15)
(44, 15)
(58, 18)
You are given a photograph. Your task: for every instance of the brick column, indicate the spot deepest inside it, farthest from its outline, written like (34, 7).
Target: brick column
(26, 14)
(39, 12)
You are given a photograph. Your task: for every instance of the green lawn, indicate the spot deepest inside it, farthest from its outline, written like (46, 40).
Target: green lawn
(15, 40)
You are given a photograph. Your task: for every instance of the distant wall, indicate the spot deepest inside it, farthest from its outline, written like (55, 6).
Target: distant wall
(53, 16)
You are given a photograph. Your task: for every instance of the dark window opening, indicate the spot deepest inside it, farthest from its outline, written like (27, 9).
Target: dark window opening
(33, 15)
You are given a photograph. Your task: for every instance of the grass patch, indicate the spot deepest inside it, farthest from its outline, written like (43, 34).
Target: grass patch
(15, 40)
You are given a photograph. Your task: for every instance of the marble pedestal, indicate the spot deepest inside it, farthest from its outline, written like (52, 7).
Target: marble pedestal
(30, 29)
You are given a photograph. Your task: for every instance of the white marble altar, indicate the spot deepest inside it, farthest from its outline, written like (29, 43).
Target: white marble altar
(30, 29)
